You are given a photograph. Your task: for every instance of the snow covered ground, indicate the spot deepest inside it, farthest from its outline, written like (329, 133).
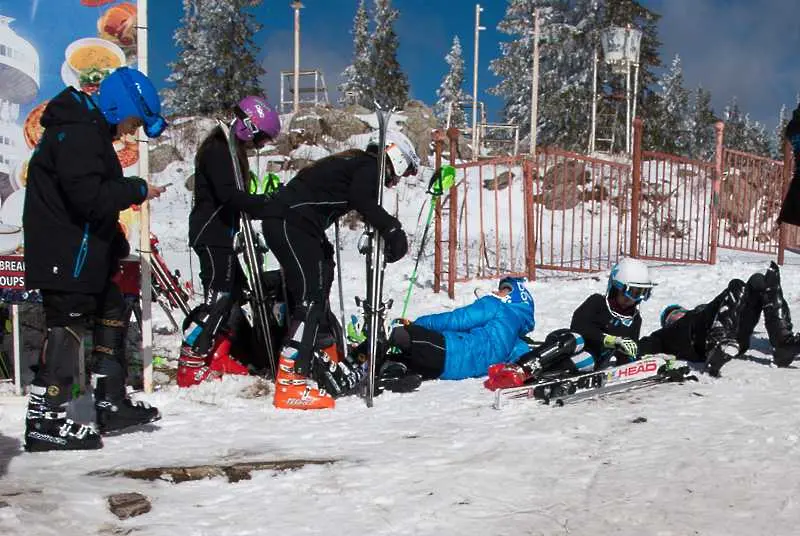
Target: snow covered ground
(714, 457)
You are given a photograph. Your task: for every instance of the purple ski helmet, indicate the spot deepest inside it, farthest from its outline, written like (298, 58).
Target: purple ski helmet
(256, 120)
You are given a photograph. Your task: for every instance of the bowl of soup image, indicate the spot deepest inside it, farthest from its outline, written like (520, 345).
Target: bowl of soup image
(93, 53)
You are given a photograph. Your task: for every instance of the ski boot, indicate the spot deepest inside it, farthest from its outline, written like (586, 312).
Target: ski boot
(505, 376)
(115, 411)
(778, 320)
(395, 377)
(220, 360)
(193, 368)
(47, 426)
(719, 355)
(294, 391)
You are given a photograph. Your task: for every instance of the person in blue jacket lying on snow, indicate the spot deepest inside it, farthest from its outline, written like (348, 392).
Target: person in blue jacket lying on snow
(463, 343)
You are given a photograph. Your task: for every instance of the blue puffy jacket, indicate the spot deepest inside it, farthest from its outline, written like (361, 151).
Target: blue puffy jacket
(480, 335)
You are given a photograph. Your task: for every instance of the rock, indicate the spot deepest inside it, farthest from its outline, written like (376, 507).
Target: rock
(420, 122)
(163, 155)
(305, 127)
(125, 505)
(737, 198)
(500, 182)
(340, 125)
(563, 196)
(569, 172)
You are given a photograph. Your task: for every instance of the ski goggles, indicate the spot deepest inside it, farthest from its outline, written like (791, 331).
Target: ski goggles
(259, 136)
(632, 292)
(154, 124)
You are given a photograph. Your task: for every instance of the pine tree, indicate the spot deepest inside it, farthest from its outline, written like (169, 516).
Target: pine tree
(776, 140)
(669, 129)
(703, 135)
(735, 126)
(390, 82)
(217, 63)
(565, 69)
(451, 92)
(357, 77)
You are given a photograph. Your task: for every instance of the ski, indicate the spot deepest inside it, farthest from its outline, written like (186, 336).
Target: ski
(570, 389)
(374, 306)
(252, 258)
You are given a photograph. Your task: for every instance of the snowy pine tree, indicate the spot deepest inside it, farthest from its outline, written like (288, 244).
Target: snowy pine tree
(216, 65)
(565, 69)
(390, 82)
(776, 140)
(669, 127)
(452, 91)
(357, 77)
(703, 135)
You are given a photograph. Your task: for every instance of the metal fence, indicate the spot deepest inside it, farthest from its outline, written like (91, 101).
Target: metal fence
(566, 211)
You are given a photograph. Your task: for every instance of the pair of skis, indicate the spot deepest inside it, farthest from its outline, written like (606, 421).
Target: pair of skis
(639, 374)
(252, 252)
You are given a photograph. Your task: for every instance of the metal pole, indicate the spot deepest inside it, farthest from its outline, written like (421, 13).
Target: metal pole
(478, 28)
(297, 5)
(146, 326)
(635, 89)
(593, 130)
(628, 107)
(535, 84)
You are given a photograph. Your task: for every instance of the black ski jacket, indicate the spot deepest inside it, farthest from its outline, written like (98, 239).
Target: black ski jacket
(329, 188)
(74, 195)
(218, 202)
(685, 338)
(592, 320)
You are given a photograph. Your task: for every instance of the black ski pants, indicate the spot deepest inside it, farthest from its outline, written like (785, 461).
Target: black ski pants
(308, 268)
(422, 350)
(71, 311)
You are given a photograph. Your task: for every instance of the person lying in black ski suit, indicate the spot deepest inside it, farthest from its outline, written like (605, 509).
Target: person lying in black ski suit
(604, 331)
(721, 329)
(294, 227)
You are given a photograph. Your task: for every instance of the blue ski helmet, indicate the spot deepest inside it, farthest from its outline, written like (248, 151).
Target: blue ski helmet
(518, 291)
(127, 93)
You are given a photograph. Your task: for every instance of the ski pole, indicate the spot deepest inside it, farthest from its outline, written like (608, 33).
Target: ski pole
(339, 272)
(443, 178)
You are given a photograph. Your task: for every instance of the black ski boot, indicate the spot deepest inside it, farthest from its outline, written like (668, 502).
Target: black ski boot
(47, 426)
(719, 355)
(778, 320)
(115, 411)
(395, 377)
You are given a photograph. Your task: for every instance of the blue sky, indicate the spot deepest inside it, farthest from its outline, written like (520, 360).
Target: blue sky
(746, 48)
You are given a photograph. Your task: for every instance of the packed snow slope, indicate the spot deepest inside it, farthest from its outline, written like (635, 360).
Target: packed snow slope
(717, 457)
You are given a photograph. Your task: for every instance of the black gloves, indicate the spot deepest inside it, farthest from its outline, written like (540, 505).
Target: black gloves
(395, 244)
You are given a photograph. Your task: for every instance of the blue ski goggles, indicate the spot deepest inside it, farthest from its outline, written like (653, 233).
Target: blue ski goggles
(632, 292)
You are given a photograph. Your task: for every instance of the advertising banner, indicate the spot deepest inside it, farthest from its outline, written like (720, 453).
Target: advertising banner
(44, 47)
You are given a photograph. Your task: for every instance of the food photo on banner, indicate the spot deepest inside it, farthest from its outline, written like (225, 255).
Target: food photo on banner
(45, 46)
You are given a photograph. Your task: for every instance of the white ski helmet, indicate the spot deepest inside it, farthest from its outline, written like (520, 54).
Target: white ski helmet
(401, 153)
(632, 278)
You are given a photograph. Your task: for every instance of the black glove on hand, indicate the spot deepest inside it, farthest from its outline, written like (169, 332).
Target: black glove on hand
(395, 244)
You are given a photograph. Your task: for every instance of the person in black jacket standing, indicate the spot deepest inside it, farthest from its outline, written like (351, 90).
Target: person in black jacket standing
(294, 228)
(73, 245)
(790, 209)
(721, 329)
(213, 224)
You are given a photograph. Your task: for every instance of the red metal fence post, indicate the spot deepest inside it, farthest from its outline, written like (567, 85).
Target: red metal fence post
(452, 134)
(719, 128)
(438, 146)
(636, 188)
(788, 158)
(528, 169)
